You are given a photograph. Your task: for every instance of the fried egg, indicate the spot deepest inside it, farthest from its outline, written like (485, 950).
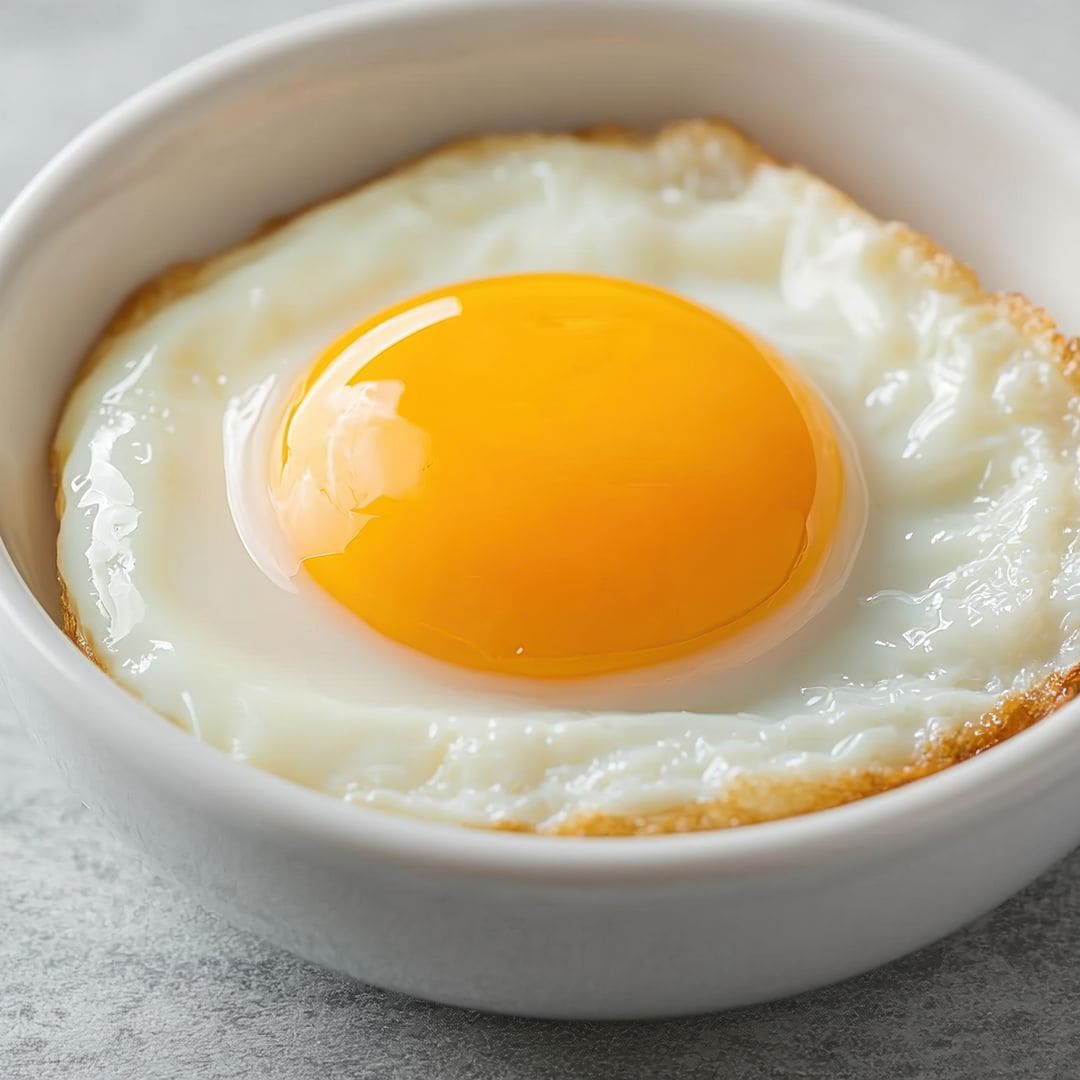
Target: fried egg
(580, 484)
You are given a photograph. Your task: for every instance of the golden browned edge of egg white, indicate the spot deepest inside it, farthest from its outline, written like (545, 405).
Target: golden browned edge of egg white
(746, 799)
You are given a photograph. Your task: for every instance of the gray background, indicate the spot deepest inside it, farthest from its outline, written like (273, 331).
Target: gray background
(107, 971)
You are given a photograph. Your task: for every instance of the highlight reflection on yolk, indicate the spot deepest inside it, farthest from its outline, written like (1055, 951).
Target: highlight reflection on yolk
(555, 474)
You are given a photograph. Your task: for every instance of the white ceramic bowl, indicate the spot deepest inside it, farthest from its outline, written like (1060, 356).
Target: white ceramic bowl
(541, 926)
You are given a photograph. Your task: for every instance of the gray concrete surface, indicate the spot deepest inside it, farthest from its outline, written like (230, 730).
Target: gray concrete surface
(108, 972)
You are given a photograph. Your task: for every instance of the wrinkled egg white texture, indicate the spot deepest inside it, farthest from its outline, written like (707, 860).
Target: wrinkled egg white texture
(965, 429)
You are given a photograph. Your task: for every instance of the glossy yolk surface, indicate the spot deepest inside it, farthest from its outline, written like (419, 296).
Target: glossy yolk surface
(556, 475)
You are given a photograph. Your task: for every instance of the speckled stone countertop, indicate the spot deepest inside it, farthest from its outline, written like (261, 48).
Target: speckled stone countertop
(108, 972)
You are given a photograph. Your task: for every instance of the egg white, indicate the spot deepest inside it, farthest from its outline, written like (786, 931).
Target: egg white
(962, 420)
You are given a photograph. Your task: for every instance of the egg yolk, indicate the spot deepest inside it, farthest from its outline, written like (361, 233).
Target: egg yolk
(556, 475)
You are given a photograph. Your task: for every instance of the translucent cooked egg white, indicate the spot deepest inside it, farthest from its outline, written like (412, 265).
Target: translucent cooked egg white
(357, 557)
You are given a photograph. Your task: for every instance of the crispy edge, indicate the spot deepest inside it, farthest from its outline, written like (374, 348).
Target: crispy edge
(751, 800)
(748, 799)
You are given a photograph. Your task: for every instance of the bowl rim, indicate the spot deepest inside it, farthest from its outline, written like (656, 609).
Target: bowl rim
(209, 780)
